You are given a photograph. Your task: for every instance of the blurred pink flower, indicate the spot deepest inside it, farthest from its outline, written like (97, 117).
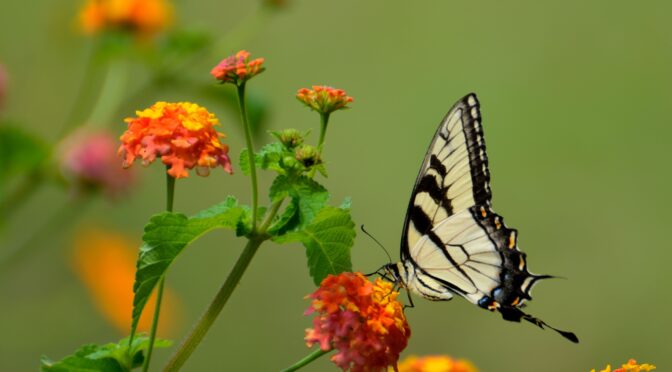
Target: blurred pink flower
(89, 160)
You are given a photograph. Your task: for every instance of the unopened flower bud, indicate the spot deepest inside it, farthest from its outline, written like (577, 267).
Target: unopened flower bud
(308, 155)
(290, 138)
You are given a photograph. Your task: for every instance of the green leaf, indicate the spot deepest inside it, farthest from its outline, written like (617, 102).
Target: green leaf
(268, 157)
(20, 152)
(166, 235)
(244, 225)
(288, 220)
(112, 357)
(328, 240)
(309, 195)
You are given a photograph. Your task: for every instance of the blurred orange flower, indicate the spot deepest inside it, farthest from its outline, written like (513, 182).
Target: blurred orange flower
(324, 99)
(630, 366)
(141, 16)
(363, 321)
(182, 134)
(105, 263)
(238, 68)
(435, 363)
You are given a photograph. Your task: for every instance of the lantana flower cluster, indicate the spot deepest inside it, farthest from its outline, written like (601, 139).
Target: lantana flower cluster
(324, 99)
(141, 16)
(238, 68)
(630, 366)
(363, 321)
(182, 134)
(435, 363)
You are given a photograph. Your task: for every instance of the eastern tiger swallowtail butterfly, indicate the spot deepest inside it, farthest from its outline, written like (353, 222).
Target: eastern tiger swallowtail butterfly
(453, 242)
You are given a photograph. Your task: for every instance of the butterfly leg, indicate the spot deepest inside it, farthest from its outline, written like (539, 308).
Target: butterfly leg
(410, 301)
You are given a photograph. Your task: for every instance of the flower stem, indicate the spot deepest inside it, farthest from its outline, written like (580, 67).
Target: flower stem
(170, 196)
(221, 298)
(111, 93)
(306, 360)
(250, 153)
(324, 120)
(208, 318)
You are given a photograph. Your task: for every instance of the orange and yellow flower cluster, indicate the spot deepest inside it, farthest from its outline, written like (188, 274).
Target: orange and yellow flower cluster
(630, 366)
(238, 68)
(140, 16)
(182, 134)
(324, 99)
(363, 321)
(435, 363)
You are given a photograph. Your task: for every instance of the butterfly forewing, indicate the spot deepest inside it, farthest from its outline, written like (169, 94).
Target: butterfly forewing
(454, 174)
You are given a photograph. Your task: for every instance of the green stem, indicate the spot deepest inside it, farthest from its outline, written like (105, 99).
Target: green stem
(170, 196)
(250, 153)
(155, 324)
(221, 298)
(83, 92)
(306, 360)
(324, 120)
(111, 93)
(208, 318)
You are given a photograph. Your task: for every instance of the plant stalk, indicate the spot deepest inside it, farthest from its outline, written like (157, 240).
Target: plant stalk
(306, 360)
(324, 120)
(221, 298)
(250, 153)
(208, 318)
(170, 196)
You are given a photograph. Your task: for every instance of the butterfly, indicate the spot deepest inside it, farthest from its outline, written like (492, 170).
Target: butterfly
(453, 242)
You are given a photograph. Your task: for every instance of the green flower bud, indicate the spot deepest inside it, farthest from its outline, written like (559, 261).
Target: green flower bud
(308, 155)
(290, 138)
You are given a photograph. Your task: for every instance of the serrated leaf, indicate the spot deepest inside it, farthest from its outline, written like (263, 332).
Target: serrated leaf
(328, 240)
(309, 195)
(244, 225)
(166, 235)
(268, 157)
(112, 357)
(287, 221)
(79, 362)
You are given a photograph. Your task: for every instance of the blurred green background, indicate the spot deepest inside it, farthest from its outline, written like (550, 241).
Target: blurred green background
(576, 98)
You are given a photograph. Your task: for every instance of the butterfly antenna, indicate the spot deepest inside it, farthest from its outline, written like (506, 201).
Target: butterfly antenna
(377, 242)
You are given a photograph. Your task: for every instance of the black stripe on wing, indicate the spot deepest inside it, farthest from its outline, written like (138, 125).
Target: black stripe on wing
(456, 156)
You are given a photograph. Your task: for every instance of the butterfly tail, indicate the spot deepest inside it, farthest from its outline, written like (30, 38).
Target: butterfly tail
(514, 314)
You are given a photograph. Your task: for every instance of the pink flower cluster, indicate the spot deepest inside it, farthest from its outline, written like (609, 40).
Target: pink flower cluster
(238, 68)
(89, 159)
(363, 321)
(324, 99)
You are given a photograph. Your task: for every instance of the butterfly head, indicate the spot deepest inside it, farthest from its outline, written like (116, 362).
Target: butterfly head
(393, 272)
